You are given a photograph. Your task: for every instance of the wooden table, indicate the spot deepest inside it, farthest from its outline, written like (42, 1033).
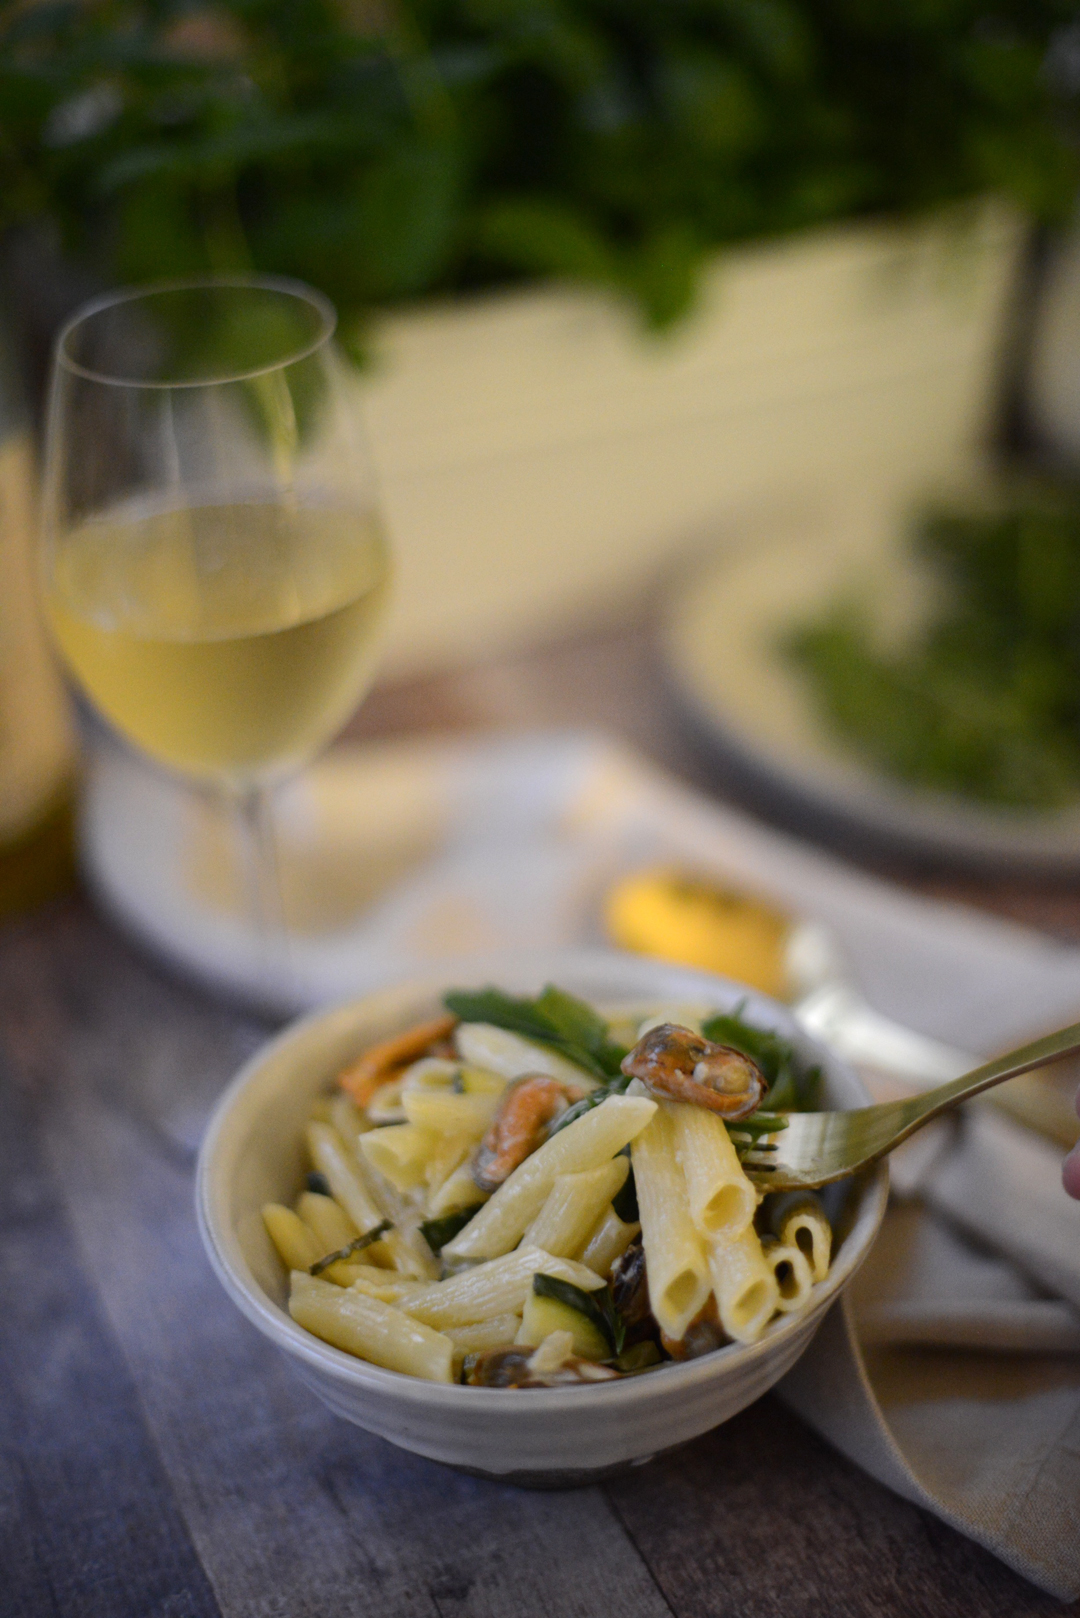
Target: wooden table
(158, 1457)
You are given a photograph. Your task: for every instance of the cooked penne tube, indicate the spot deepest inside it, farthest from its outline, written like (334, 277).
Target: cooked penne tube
(496, 1288)
(679, 1282)
(452, 1273)
(347, 1119)
(791, 1268)
(333, 1230)
(370, 1329)
(722, 1200)
(459, 1190)
(385, 1284)
(484, 1334)
(596, 1137)
(400, 1153)
(330, 1157)
(512, 1057)
(328, 1220)
(385, 1105)
(573, 1206)
(449, 1154)
(450, 1114)
(608, 1240)
(745, 1286)
(297, 1246)
(798, 1219)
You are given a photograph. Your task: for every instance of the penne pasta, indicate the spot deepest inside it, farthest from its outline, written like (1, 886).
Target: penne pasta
(594, 1138)
(791, 1268)
(451, 1114)
(330, 1157)
(459, 1190)
(450, 1281)
(347, 1119)
(333, 1230)
(507, 1054)
(679, 1282)
(608, 1240)
(328, 1220)
(573, 1206)
(370, 1329)
(484, 1334)
(298, 1247)
(746, 1290)
(722, 1200)
(400, 1153)
(385, 1105)
(799, 1220)
(496, 1288)
(450, 1153)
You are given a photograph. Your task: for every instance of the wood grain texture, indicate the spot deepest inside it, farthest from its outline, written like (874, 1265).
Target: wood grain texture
(763, 1517)
(88, 1519)
(292, 1511)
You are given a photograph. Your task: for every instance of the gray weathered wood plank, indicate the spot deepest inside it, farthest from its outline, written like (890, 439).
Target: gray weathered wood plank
(293, 1511)
(763, 1517)
(88, 1519)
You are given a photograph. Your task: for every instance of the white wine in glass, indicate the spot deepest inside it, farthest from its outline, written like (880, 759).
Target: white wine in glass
(215, 573)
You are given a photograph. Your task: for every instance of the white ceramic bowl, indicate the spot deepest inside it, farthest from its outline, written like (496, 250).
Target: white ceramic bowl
(252, 1154)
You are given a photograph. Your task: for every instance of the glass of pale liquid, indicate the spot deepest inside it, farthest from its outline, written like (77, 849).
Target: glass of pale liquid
(215, 573)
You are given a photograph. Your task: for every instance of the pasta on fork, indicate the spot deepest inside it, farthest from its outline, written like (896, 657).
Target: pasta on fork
(508, 1196)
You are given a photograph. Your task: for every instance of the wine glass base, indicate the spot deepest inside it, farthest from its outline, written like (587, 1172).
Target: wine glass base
(393, 856)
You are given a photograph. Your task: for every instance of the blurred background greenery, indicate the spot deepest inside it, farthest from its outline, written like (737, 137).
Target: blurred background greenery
(382, 149)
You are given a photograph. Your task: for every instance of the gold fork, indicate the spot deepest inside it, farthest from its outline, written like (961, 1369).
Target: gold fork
(818, 1147)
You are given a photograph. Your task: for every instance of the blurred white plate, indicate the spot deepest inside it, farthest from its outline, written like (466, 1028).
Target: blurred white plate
(721, 635)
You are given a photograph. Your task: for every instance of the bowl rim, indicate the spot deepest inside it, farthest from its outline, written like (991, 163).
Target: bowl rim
(275, 1323)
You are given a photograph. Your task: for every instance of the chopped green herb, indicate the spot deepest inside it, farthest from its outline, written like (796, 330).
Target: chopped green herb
(555, 1020)
(437, 1232)
(357, 1245)
(597, 1307)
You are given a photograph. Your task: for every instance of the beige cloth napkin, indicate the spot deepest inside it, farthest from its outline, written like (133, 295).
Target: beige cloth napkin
(950, 1374)
(952, 1371)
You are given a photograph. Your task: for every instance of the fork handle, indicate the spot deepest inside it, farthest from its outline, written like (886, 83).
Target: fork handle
(1040, 1051)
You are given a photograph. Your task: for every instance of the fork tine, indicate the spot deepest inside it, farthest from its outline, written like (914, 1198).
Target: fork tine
(816, 1148)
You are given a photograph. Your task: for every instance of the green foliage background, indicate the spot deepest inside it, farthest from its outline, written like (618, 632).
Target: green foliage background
(386, 148)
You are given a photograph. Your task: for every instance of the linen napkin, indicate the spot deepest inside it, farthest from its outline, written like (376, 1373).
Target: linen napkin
(951, 1371)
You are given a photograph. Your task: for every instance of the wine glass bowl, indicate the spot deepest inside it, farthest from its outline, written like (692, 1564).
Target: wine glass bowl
(215, 573)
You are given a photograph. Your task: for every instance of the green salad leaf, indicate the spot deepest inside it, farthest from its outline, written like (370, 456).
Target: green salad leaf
(555, 1019)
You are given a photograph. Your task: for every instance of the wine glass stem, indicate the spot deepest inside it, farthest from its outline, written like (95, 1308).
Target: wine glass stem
(254, 808)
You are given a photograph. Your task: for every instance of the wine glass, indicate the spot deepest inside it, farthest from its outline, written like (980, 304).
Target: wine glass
(215, 573)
